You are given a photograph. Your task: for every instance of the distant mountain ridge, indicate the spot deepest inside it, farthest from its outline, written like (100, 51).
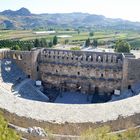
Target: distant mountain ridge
(21, 12)
(24, 19)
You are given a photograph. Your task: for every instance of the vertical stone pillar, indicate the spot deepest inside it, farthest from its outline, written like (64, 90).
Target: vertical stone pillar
(114, 58)
(125, 74)
(84, 58)
(104, 58)
(109, 58)
(35, 56)
(94, 58)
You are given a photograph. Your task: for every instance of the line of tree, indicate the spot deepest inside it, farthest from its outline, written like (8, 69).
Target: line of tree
(93, 43)
(42, 43)
(16, 44)
(29, 44)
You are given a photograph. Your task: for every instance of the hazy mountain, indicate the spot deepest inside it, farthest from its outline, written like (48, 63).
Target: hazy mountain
(24, 19)
(20, 12)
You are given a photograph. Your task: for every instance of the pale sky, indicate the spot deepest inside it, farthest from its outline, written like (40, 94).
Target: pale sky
(126, 9)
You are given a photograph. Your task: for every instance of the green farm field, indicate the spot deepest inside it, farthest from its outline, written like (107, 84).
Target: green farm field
(103, 37)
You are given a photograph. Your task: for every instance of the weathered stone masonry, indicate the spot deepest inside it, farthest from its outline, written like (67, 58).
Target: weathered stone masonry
(81, 70)
(77, 70)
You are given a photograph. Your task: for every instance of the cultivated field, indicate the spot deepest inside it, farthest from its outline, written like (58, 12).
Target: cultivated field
(105, 38)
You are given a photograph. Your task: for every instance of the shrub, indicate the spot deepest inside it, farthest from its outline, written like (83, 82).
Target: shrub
(75, 48)
(5, 132)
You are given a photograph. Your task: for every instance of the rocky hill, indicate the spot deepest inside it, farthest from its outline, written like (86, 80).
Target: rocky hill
(24, 19)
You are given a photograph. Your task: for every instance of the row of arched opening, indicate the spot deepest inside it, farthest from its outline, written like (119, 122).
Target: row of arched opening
(99, 58)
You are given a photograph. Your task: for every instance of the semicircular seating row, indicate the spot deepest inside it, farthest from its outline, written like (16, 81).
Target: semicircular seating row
(11, 75)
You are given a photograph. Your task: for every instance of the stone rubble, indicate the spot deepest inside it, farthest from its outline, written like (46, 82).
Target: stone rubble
(37, 131)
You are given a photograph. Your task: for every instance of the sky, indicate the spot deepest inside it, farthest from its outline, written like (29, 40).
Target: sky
(126, 9)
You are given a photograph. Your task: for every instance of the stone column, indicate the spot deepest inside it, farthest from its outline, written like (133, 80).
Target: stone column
(94, 58)
(104, 58)
(114, 58)
(109, 58)
(125, 74)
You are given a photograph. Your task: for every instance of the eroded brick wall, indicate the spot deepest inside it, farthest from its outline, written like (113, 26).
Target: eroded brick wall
(133, 71)
(27, 60)
(72, 70)
(85, 70)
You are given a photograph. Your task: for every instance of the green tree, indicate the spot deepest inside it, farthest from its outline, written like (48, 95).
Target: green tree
(50, 44)
(122, 46)
(43, 43)
(29, 47)
(15, 47)
(55, 40)
(91, 34)
(95, 43)
(87, 43)
(36, 43)
(78, 31)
